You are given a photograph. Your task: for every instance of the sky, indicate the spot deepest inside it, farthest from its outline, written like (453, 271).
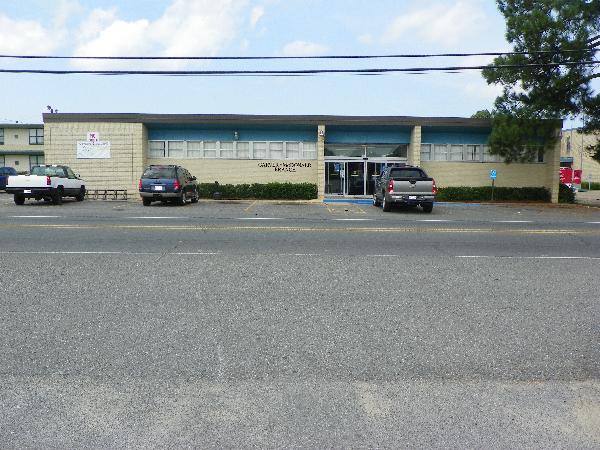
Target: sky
(247, 28)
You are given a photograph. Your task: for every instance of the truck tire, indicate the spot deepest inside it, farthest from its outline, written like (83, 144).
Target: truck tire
(387, 206)
(81, 196)
(19, 199)
(57, 197)
(427, 207)
(146, 201)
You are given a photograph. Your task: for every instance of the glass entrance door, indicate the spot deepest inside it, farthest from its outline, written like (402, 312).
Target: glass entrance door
(353, 177)
(335, 176)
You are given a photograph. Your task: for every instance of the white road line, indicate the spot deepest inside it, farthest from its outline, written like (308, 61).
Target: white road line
(259, 218)
(158, 217)
(433, 220)
(513, 221)
(593, 258)
(35, 217)
(594, 223)
(352, 220)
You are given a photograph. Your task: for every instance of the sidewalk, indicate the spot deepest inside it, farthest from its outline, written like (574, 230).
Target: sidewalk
(588, 198)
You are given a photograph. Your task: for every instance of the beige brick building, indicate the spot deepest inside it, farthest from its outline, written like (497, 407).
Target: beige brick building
(21, 146)
(339, 154)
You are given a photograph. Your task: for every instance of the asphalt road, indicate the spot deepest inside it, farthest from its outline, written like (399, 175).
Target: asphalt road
(251, 324)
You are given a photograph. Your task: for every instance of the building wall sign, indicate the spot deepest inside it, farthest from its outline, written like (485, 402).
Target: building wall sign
(93, 148)
(284, 166)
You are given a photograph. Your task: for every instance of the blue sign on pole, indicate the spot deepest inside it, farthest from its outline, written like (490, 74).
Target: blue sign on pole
(493, 174)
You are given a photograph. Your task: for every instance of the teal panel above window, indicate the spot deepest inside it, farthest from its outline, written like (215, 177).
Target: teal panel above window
(454, 135)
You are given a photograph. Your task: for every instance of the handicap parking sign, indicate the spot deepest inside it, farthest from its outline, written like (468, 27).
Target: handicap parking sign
(493, 174)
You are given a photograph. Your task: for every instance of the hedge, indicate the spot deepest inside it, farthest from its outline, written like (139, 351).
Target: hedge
(267, 191)
(484, 193)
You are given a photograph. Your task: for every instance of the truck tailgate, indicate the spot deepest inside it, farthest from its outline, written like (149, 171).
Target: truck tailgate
(413, 186)
(26, 181)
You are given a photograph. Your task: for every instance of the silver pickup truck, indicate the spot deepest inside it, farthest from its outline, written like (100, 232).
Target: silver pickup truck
(406, 185)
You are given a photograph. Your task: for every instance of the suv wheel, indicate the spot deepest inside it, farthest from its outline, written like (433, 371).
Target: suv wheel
(195, 199)
(182, 199)
(146, 201)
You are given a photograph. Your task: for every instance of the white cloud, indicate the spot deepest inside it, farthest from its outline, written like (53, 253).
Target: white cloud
(303, 48)
(26, 37)
(440, 23)
(187, 28)
(257, 13)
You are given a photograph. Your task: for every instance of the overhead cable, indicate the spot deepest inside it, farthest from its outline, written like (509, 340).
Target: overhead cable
(217, 58)
(374, 71)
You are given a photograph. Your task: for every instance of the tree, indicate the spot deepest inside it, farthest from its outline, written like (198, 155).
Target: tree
(548, 75)
(482, 114)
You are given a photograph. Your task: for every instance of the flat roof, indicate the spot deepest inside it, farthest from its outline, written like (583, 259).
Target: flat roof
(151, 119)
(21, 125)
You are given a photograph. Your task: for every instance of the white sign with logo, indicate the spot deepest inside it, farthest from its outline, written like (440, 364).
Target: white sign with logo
(93, 148)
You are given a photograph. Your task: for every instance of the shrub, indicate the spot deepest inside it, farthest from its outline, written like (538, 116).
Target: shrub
(484, 194)
(565, 194)
(268, 191)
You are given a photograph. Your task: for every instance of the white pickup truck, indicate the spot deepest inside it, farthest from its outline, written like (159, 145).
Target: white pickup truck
(48, 182)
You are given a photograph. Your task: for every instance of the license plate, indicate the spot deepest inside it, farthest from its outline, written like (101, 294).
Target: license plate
(412, 197)
(27, 191)
(158, 188)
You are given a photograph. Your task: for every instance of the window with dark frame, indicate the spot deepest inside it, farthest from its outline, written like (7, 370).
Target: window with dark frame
(1, 136)
(36, 136)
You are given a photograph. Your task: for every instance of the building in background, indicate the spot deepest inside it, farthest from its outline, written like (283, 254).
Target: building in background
(340, 154)
(21, 146)
(573, 154)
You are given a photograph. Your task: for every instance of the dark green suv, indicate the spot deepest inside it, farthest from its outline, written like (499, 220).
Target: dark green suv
(168, 183)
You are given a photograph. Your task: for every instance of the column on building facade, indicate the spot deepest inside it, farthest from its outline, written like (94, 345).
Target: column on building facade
(414, 148)
(321, 161)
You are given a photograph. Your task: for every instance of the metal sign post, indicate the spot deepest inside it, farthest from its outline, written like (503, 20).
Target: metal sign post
(493, 175)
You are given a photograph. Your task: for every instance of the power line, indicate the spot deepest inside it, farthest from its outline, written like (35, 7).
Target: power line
(374, 71)
(217, 58)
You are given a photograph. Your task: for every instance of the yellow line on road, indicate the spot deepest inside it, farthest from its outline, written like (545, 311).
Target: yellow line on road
(300, 229)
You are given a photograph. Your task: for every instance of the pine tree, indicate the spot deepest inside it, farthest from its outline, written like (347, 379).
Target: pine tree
(549, 75)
